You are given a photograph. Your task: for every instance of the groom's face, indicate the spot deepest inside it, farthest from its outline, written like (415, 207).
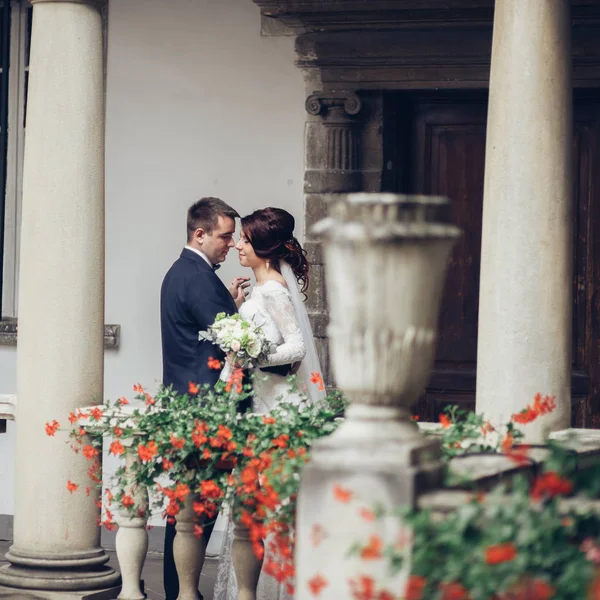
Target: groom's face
(216, 244)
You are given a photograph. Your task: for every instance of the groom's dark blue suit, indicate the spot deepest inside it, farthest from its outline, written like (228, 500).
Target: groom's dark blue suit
(191, 296)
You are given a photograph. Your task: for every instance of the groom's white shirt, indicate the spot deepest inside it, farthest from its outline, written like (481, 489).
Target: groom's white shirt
(199, 253)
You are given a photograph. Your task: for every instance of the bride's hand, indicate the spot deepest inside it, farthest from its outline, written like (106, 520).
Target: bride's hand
(237, 289)
(232, 360)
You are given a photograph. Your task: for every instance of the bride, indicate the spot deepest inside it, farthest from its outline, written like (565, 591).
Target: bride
(267, 245)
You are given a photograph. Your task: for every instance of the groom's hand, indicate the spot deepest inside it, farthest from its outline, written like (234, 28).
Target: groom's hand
(237, 289)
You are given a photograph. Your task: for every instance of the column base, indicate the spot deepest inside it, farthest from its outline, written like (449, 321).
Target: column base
(68, 583)
(8, 593)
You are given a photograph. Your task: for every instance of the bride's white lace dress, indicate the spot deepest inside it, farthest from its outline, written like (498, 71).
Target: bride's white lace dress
(270, 305)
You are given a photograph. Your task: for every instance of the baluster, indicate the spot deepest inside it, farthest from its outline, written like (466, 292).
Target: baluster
(245, 563)
(132, 535)
(188, 551)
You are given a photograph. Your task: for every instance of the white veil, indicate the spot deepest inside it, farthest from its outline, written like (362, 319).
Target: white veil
(310, 363)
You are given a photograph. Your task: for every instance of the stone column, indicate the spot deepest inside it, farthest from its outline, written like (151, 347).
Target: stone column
(336, 139)
(61, 304)
(525, 304)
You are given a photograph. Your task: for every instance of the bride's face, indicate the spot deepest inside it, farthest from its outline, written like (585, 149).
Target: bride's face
(246, 253)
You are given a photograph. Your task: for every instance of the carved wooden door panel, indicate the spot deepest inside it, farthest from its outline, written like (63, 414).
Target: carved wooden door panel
(447, 157)
(445, 154)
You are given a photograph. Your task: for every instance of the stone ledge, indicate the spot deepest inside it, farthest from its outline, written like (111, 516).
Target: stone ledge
(480, 472)
(8, 334)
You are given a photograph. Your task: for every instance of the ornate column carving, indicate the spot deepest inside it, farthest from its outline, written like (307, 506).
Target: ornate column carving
(343, 150)
(335, 160)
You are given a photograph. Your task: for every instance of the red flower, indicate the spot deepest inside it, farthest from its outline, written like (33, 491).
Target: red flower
(138, 389)
(316, 584)
(500, 553)
(127, 501)
(117, 431)
(363, 589)
(594, 591)
(167, 464)
(281, 441)
(372, 550)
(96, 413)
(116, 448)
(317, 379)
(72, 487)
(367, 514)
(549, 485)
(182, 491)
(534, 589)
(122, 401)
(73, 418)
(93, 472)
(89, 452)
(198, 530)
(209, 489)
(147, 452)
(507, 443)
(414, 418)
(224, 432)
(198, 437)
(453, 591)
(542, 405)
(341, 494)
(486, 428)
(518, 454)
(177, 443)
(214, 364)
(445, 421)
(193, 389)
(52, 428)
(268, 420)
(541, 589)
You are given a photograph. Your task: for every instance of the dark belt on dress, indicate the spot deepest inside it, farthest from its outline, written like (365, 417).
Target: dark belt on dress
(283, 370)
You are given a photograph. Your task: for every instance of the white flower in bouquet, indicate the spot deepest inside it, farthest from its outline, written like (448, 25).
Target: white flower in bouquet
(235, 335)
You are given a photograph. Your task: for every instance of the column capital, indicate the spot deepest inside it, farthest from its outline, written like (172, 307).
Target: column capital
(346, 102)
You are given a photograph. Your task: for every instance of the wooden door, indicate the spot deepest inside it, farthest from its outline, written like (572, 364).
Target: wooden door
(440, 149)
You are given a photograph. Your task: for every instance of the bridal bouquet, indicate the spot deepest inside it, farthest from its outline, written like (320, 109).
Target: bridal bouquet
(243, 341)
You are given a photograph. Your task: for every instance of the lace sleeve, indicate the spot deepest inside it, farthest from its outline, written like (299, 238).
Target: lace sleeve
(280, 308)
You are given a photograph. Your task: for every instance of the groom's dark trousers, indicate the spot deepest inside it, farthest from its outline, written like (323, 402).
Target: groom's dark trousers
(191, 296)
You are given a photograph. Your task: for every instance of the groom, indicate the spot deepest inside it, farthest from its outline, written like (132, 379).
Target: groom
(190, 298)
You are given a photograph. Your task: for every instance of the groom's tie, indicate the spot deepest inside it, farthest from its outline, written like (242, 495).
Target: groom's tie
(216, 267)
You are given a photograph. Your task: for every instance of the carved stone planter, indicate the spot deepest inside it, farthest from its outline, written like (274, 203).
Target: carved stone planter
(385, 259)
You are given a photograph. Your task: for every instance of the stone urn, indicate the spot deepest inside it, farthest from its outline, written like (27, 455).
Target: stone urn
(385, 260)
(385, 263)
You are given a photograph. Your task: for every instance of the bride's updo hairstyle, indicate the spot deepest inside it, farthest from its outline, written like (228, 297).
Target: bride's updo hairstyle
(271, 233)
